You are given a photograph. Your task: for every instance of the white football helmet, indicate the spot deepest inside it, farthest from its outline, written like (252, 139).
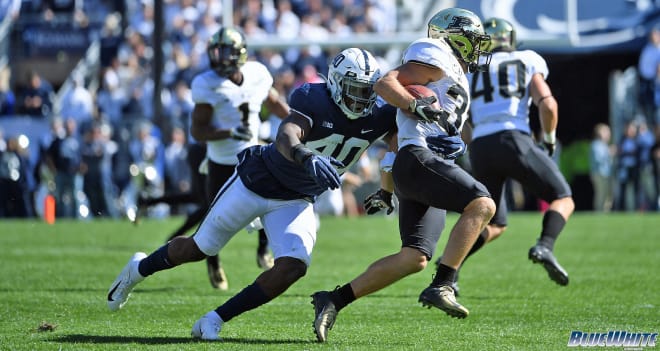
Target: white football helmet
(351, 77)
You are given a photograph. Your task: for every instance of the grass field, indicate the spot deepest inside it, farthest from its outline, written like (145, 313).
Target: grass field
(59, 275)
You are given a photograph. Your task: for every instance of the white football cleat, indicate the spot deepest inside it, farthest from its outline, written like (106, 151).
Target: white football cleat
(208, 327)
(121, 288)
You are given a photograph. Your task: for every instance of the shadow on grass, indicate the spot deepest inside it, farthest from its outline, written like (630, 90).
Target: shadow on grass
(157, 340)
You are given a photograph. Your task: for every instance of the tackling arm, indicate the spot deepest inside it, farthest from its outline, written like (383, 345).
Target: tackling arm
(275, 105)
(290, 133)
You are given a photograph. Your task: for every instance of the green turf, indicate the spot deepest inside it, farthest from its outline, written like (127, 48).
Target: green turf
(59, 274)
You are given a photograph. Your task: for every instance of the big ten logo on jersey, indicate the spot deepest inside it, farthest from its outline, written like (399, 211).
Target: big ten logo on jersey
(345, 149)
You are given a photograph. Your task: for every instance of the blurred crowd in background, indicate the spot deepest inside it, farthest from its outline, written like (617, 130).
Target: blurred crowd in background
(106, 146)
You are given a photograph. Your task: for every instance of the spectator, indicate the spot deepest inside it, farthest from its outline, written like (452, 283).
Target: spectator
(63, 159)
(645, 140)
(649, 66)
(14, 180)
(97, 150)
(180, 107)
(177, 172)
(628, 168)
(655, 159)
(600, 160)
(37, 97)
(78, 102)
(147, 153)
(7, 97)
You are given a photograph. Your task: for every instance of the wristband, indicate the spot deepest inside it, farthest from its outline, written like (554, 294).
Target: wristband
(550, 137)
(387, 161)
(300, 153)
(412, 105)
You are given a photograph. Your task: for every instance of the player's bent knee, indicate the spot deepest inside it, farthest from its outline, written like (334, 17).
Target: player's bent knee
(413, 260)
(483, 207)
(184, 249)
(290, 268)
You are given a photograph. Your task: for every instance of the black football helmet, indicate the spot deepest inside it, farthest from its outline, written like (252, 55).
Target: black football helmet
(227, 51)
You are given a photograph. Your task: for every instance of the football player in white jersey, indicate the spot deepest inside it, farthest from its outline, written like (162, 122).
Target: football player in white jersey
(426, 181)
(502, 146)
(228, 98)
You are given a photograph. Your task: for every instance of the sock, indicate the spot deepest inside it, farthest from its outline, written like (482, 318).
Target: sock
(481, 240)
(157, 261)
(553, 223)
(341, 297)
(249, 298)
(445, 275)
(213, 261)
(263, 242)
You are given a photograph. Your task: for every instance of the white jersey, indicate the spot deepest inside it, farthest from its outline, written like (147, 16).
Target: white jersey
(452, 91)
(501, 96)
(225, 97)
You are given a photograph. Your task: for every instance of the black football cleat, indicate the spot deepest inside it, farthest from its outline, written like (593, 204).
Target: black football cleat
(325, 314)
(443, 297)
(541, 254)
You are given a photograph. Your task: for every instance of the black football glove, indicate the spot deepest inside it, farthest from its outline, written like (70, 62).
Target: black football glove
(550, 147)
(322, 169)
(378, 201)
(450, 147)
(423, 109)
(241, 133)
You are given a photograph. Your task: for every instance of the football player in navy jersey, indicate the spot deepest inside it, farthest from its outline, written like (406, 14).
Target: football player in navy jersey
(426, 179)
(502, 146)
(329, 126)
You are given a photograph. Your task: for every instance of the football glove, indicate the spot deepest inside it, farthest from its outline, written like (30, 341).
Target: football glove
(322, 169)
(550, 148)
(550, 142)
(241, 133)
(450, 147)
(377, 201)
(423, 109)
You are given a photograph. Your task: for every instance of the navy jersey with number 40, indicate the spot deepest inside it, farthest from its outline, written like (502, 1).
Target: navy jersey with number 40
(265, 171)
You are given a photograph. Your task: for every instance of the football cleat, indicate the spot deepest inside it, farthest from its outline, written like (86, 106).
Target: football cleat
(325, 314)
(443, 297)
(121, 288)
(217, 277)
(265, 260)
(208, 327)
(541, 254)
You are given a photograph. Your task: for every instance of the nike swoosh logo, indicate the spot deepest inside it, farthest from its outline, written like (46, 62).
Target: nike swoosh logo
(112, 291)
(365, 131)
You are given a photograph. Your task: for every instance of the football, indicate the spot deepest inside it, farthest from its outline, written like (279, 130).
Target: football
(421, 91)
